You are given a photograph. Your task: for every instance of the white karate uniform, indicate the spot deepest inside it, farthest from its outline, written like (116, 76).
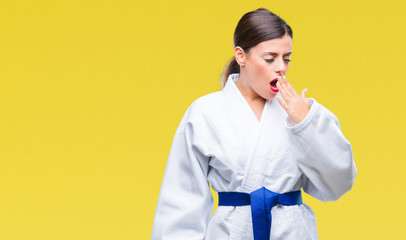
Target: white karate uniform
(220, 141)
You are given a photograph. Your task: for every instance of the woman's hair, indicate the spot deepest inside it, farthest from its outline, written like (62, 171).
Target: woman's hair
(253, 28)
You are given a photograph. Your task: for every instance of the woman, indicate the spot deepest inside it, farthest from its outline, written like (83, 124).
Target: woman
(258, 143)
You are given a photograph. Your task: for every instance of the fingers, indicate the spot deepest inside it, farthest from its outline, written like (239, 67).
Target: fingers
(282, 103)
(285, 92)
(304, 94)
(291, 89)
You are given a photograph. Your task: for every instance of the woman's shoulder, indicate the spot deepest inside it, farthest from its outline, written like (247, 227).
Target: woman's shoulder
(207, 101)
(202, 108)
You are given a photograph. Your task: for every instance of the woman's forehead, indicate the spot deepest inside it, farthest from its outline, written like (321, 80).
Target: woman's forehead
(278, 45)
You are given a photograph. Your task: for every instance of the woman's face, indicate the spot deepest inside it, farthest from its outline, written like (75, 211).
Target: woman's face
(263, 62)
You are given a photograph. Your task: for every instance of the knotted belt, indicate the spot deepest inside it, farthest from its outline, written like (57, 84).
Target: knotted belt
(262, 201)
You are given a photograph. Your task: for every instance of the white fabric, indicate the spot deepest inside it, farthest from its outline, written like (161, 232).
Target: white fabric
(220, 141)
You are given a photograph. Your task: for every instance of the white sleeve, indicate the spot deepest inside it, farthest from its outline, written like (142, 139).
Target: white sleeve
(185, 202)
(323, 153)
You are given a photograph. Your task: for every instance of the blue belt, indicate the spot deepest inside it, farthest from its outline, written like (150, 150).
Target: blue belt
(262, 201)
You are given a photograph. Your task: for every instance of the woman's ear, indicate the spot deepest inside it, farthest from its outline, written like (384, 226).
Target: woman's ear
(240, 56)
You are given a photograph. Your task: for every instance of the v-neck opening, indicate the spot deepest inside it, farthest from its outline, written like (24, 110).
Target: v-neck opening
(263, 114)
(233, 78)
(253, 112)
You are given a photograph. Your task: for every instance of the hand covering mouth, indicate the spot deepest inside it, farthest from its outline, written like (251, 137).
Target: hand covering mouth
(273, 86)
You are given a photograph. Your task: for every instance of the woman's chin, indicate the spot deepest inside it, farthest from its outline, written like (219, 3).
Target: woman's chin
(272, 95)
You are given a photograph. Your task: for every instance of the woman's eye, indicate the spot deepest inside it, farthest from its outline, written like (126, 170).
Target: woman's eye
(271, 60)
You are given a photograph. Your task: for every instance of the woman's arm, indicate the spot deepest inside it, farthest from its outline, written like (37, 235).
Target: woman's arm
(324, 154)
(185, 201)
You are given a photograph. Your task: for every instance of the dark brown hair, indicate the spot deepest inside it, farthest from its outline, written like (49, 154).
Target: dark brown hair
(253, 28)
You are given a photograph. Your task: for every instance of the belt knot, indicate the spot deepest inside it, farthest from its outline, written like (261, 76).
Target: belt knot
(262, 201)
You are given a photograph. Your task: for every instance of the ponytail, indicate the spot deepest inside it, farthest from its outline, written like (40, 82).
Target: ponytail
(231, 67)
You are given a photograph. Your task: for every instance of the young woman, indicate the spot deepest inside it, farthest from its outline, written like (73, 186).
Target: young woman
(258, 143)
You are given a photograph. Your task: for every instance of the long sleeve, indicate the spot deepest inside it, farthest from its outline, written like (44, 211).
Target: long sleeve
(185, 201)
(324, 154)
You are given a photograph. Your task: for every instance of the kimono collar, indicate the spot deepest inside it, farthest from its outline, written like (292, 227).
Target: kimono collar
(231, 88)
(232, 79)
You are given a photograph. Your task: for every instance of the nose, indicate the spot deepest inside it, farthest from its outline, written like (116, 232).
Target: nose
(280, 67)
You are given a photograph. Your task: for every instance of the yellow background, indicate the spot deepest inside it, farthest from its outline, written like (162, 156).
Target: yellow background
(91, 93)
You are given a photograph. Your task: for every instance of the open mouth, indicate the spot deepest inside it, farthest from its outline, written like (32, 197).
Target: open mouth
(274, 88)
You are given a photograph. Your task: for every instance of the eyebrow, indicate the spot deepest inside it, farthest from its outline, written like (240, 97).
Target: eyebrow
(275, 54)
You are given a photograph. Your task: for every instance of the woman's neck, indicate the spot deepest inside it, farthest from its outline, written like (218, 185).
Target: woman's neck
(249, 94)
